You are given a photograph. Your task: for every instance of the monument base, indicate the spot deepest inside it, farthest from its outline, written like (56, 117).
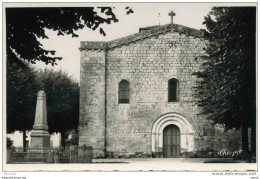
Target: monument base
(40, 138)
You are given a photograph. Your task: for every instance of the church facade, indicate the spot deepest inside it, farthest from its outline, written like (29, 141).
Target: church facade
(137, 95)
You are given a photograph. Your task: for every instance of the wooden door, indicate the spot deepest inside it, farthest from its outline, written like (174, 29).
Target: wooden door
(171, 141)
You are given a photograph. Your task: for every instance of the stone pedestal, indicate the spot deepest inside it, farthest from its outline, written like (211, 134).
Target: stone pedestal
(39, 135)
(40, 139)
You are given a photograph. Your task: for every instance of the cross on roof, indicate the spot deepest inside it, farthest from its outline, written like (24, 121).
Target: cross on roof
(159, 16)
(172, 14)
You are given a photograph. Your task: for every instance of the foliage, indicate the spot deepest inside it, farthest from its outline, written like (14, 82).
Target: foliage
(62, 95)
(21, 96)
(9, 143)
(73, 137)
(25, 25)
(227, 84)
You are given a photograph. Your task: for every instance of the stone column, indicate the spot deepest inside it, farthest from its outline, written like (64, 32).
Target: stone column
(39, 135)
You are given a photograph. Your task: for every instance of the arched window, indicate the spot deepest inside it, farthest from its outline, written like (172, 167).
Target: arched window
(123, 92)
(173, 86)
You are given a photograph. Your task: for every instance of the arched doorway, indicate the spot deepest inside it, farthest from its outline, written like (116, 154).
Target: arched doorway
(186, 133)
(171, 141)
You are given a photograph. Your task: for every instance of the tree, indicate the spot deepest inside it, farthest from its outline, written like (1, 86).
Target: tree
(73, 137)
(9, 143)
(226, 88)
(25, 25)
(21, 97)
(23, 83)
(62, 95)
(23, 28)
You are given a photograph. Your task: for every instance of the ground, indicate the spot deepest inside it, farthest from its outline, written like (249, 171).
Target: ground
(170, 164)
(147, 164)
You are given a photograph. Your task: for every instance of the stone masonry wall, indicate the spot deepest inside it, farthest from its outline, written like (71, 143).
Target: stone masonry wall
(148, 65)
(92, 100)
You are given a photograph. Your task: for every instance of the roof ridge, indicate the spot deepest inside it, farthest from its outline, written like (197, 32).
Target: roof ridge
(132, 35)
(141, 35)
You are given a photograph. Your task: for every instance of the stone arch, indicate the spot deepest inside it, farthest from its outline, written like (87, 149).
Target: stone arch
(186, 132)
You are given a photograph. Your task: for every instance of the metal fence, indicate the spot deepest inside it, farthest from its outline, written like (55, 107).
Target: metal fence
(73, 154)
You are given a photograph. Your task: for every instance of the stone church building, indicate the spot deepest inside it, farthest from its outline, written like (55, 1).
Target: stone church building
(136, 95)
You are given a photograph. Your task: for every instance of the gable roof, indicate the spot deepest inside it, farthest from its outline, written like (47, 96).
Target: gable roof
(148, 28)
(145, 32)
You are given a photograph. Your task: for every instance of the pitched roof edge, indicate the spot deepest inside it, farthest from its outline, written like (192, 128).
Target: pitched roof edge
(90, 45)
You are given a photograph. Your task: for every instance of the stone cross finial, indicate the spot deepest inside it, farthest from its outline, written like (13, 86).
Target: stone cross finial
(159, 16)
(172, 14)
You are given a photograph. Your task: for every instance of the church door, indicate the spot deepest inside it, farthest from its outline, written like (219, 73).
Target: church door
(171, 141)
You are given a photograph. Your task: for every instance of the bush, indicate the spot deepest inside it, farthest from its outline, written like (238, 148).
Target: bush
(9, 143)
(246, 156)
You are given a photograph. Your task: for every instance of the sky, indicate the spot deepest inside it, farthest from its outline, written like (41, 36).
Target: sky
(145, 14)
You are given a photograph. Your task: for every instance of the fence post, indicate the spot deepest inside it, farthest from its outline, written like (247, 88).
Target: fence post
(77, 154)
(53, 155)
(70, 154)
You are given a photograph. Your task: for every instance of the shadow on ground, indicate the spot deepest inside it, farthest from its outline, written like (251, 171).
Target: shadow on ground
(221, 161)
(104, 162)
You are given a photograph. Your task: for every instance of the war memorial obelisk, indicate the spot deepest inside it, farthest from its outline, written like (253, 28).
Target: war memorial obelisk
(39, 135)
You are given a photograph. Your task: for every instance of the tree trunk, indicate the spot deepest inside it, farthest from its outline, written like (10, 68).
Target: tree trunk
(253, 139)
(63, 139)
(24, 140)
(245, 138)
